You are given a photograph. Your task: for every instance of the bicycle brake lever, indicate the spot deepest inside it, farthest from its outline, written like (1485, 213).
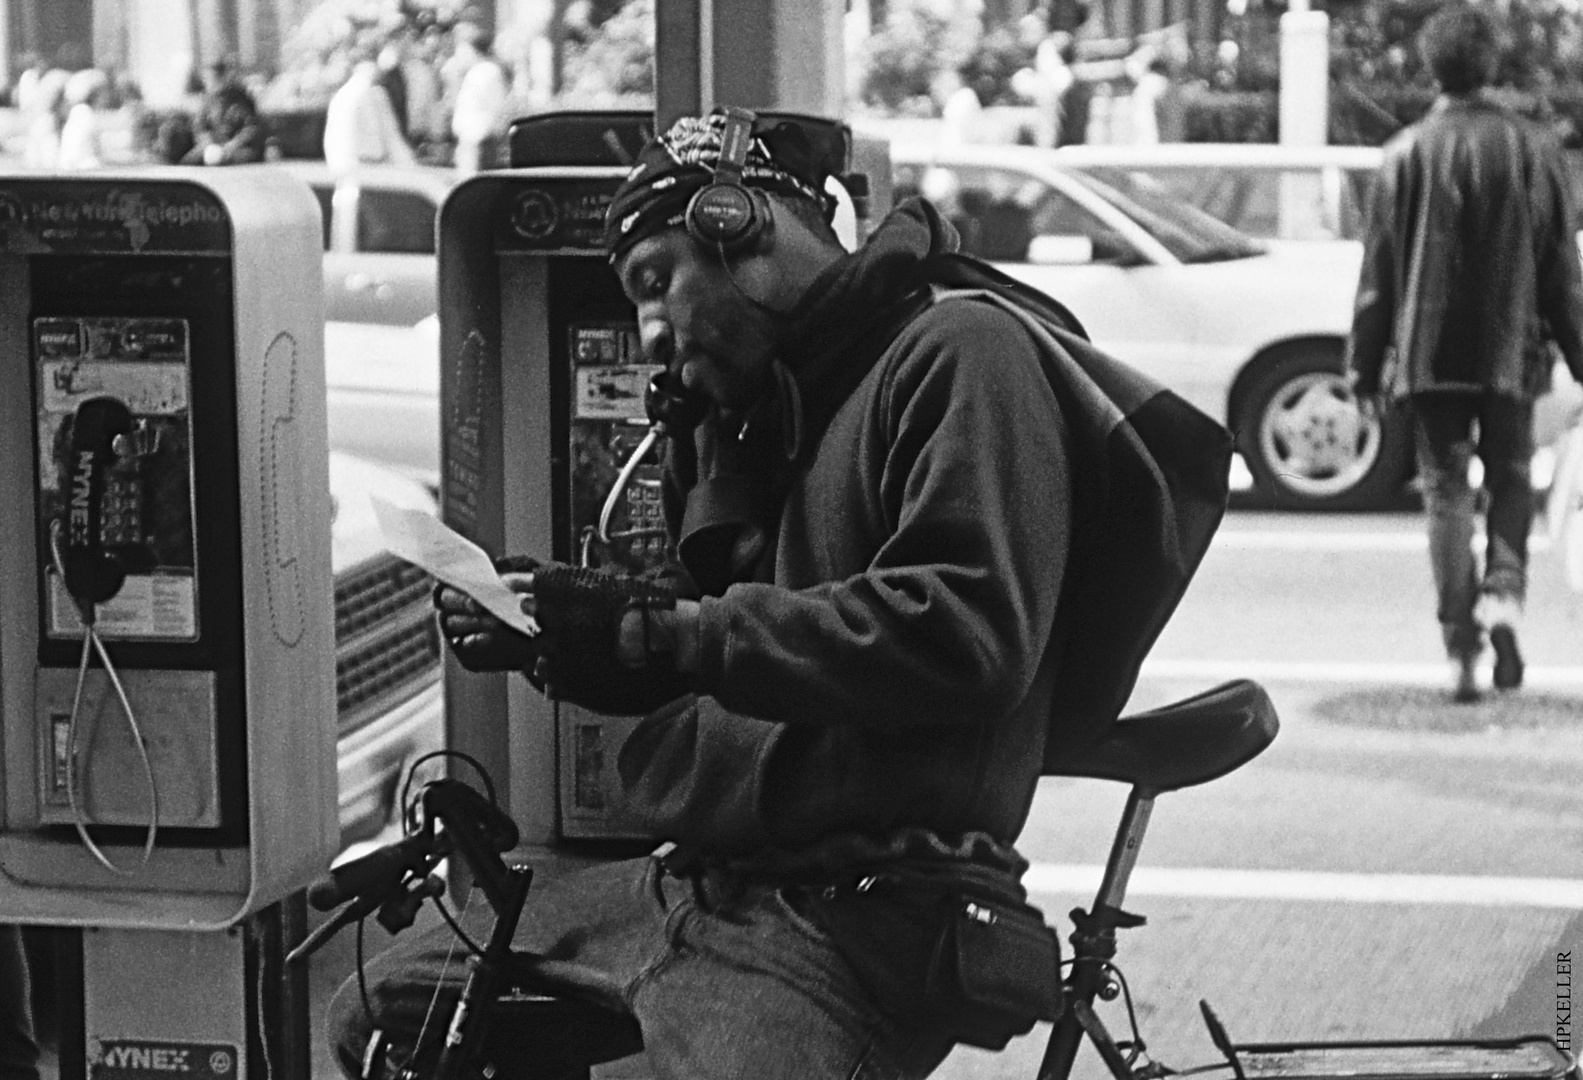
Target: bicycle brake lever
(378, 872)
(1222, 1041)
(314, 941)
(399, 912)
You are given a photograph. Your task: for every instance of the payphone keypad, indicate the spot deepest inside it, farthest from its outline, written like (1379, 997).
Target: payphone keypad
(145, 513)
(608, 425)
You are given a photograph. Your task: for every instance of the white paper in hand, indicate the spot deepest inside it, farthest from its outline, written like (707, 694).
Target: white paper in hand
(428, 543)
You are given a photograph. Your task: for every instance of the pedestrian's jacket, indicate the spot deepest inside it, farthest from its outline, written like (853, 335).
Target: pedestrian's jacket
(887, 664)
(1470, 261)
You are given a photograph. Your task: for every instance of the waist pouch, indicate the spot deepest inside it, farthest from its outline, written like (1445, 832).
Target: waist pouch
(979, 964)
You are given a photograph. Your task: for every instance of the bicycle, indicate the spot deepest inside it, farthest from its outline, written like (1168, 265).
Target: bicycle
(1190, 742)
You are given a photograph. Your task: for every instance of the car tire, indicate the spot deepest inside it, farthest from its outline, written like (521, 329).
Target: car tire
(1307, 445)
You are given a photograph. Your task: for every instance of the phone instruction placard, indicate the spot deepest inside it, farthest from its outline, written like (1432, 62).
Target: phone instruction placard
(145, 514)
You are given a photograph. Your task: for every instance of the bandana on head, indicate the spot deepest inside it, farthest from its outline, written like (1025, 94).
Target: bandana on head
(676, 166)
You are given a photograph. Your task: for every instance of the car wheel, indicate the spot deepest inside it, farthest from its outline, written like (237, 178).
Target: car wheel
(1308, 445)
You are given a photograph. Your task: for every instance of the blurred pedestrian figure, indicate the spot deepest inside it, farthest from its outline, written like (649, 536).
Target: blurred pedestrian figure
(41, 149)
(479, 117)
(1150, 81)
(428, 117)
(175, 129)
(86, 95)
(174, 138)
(19, 1051)
(360, 124)
(25, 94)
(1054, 60)
(392, 78)
(229, 129)
(961, 108)
(1069, 96)
(454, 64)
(142, 123)
(1470, 265)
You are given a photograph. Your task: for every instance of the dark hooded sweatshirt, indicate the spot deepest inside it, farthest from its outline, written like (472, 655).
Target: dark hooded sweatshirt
(881, 677)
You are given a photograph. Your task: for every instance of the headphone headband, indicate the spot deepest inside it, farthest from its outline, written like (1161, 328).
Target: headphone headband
(735, 142)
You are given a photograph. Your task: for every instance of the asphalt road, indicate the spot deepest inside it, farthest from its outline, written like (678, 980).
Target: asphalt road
(1393, 867)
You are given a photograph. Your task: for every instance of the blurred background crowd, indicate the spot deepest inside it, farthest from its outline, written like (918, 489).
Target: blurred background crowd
(435, 81)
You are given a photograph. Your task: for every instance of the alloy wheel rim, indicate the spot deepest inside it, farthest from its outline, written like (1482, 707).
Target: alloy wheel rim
(1314, 438)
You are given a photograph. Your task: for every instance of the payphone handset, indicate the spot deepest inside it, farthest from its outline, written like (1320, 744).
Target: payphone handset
(90, 574)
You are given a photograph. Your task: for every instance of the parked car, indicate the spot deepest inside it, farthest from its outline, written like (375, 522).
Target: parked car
(384, 394)
(389, 709)
(1264, 189)
(379, 239)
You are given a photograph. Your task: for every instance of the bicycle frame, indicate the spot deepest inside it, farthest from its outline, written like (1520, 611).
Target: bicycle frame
(1094, 946)
(470, 1019)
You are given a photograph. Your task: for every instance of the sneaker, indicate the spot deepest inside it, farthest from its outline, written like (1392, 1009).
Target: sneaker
(1464, 680)
(1500, 615)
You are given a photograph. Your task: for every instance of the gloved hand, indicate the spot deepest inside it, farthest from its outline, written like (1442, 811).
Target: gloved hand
(581, 612)
(480, 641)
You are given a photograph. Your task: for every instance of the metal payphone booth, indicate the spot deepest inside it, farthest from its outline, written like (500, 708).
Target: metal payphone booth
(541, 402)
(166, 652)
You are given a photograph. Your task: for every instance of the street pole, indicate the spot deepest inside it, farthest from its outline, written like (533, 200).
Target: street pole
(1304, 113)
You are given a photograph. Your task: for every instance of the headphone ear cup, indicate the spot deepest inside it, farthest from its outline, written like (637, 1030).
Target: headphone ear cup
(728, 215)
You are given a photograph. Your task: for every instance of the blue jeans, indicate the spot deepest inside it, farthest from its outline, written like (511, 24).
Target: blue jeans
(724, 985)
(1450, 428)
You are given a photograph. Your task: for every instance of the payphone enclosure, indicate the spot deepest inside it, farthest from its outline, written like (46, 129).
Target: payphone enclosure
(166, 466)
(541, 401)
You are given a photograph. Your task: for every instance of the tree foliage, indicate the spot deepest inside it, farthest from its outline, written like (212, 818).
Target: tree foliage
(611, 65)
(318, 53)
(608, 57)
(898, 65)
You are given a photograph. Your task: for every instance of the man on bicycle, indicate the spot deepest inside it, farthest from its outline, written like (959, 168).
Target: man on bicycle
(849, 681)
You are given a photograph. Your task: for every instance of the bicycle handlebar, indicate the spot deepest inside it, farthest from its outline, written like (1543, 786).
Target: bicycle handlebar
(475, 828)
(381, 870)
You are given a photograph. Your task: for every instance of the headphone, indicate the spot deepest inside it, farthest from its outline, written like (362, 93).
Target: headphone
(726, 215)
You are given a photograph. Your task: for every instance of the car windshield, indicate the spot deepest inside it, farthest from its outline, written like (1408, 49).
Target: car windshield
(1190, 234)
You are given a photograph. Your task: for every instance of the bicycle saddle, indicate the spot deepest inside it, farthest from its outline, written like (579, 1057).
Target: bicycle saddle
(1192, 741)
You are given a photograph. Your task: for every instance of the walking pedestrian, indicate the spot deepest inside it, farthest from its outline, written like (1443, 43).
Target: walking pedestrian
(46, 112)
(360, 125)
(479, 118)
(1470, 272)
(86, 95)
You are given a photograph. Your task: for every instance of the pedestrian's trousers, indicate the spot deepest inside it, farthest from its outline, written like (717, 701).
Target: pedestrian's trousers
(1450, 427)
(724, 987)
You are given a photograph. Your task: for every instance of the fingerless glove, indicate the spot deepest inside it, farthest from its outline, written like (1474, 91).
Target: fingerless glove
(580, 612)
